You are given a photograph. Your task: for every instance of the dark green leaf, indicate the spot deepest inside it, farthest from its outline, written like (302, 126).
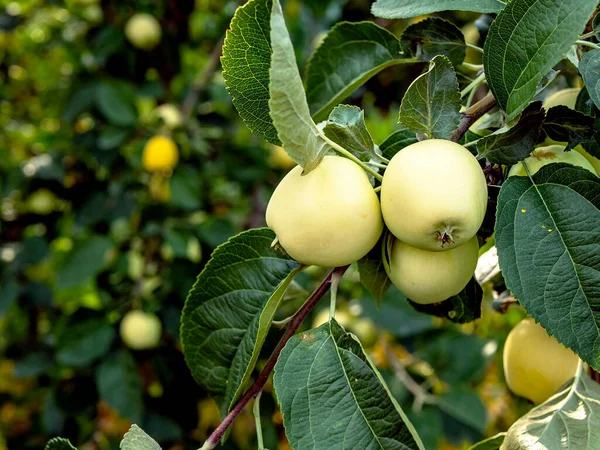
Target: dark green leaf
(33, 365)
(59, 444)
(137, 439)
(526, 40)
(230, 309)
(372, 272)
(81, 100)
(515, 144)
(491, 443)
(464, 405)
(9, 292)
(346, 127)
(331, 395)
(116, 103)
(397, 141)
(85, 260)
(112, 137)
(434, 36)
(548, 237)
(404, 9)
(84, 342)
(563, 124)
(431, 103)
(590, 72)
(350, 54)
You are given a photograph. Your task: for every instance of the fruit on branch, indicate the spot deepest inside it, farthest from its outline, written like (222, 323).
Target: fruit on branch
(143, 31)
(434, 195)
(543, 156)
(564, 97)
(535, 363)
(365, 329)
(160, 153)
(329, 217)
(429, 277)
(279, 159)
(169, 114)
(140, 330)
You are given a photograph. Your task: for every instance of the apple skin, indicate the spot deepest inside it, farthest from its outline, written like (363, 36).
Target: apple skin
(564, 97)
(160, 153)
(434, 195)
(535, 363)
(140, 330)
(330, 217)
(431, 277)
(543, 156)
(143, 31)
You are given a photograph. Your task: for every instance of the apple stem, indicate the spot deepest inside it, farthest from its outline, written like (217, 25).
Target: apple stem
(470, 116)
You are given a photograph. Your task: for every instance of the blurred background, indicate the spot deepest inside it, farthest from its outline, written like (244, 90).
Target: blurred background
(92, 228)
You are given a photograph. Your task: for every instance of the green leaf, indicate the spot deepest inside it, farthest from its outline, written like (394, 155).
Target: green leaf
(116, 103)
(397, 141)
(346, 127)
(246, 62)
(431, 103)
(372, 272)
(85, 260)
(84, 342)
(434, 36)
(525, 41)
(349, 55)
(59, 444)
(568, 420)
(547, 237)
(491, 443)
(464, 405)
(120, 385)
(137, 439)
(331, 395)
(112, 137)
(589, 68)
(563, 124)
(404, 9)
(509, 146)
(229, 311)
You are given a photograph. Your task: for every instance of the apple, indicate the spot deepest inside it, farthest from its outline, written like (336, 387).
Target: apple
(595, 162)
(434, 195)
(279, 159)
(140, 330)
(143, 31)
(430, 277)
(329, 217)
(542, 156)
(169, 114)
(564, 97)
(536, 364)
(160, 153)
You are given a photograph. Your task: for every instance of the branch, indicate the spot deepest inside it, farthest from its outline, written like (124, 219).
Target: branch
(254, 390)
(470, 116)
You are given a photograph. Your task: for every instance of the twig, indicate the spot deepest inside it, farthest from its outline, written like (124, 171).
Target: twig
(262, 378)
(470, 116)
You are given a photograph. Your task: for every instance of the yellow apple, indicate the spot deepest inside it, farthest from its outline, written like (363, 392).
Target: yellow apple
(595, 162)
(143, 31)
(565, 97)
(160, 153)
(328, 217)
(542, 156)
(434, 195)
(140, 330)
(536, 364)
(279, 159)
(429, 277)
(169, 114)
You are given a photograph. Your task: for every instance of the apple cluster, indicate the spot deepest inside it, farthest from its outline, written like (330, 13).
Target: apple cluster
(433, 200)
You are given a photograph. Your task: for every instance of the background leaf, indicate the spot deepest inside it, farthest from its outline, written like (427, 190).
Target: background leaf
(59, 444)
(346, 127)
(404, 9)
(137, 439)
(84, 342)
(563, 124)
(397, 141)
(372, 272)
(117, 103)
(491, 443)
(434, 36)
(589, 68)
(85, 260)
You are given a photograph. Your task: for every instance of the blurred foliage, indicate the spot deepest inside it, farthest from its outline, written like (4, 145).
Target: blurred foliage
(87, 234)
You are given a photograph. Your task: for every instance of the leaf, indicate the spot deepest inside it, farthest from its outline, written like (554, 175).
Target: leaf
(137, 439)
(491, 443)
(404, 9)
(116, 103)
(509, 146)
(568, 420)
(525, 41)
(59, 444)
(84, 342)
(349, 55)
(563, 124)
(464, 405)
(120, 385)
(431, 103)
(346, 127)
(434, 36)
(331, 395)
(589, 68)
(372, 272)
(397, 141)
(246, 63)
(229, 311)
(548, 238)
(85, 260)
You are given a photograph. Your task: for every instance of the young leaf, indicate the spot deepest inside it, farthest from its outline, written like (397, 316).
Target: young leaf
(515, 144)
(59, 443)
(332, 396)
(589, 68)
(525, 41)
(137, 439)
(464, 307)
(434, 36)
(491, 443)
(563, 124)
(396, 141)
(350, 54)
(570, 417)
(372, 272)
(229, 311)
(431, 103)
(346, 127)
(547, 237)
(404, 9)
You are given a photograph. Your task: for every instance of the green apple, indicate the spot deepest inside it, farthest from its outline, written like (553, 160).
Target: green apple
(434, 195)
(430, 277)
(140, 330)
(595, 162)
(143, 31)
(542, 156)
(329, 217)
(536, 365)
(169, 114)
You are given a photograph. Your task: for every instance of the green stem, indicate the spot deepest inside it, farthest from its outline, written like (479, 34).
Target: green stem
(587, 44)
(470, 98)
(383, 158)
(474, 47)
(377, 189)
(469, 66)
(256, 412)
(590, 34)
(341, 150)
(335, 283)
(473, 85)
(374, 164)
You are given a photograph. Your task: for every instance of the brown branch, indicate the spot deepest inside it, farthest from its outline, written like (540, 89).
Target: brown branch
(293, 326)
(470, 116)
